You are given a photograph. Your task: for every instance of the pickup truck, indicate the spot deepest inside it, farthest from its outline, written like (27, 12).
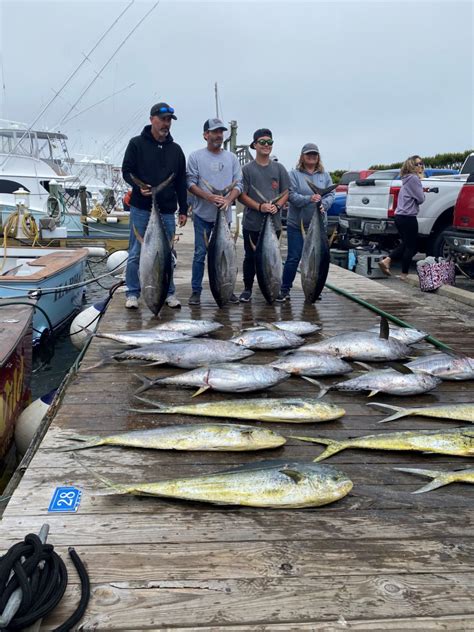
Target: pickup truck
(371, 204)
(459, 238)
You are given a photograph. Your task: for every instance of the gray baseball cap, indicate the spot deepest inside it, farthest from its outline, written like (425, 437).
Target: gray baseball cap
(310, 148)
(214, 123)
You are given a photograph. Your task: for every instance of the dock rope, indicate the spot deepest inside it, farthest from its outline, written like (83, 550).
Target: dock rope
(42, 576)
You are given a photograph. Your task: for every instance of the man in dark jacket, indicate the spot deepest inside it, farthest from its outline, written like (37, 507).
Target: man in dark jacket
(152, 157)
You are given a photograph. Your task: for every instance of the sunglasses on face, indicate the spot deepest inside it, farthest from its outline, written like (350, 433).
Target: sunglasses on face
(419, 164)
(263, 142)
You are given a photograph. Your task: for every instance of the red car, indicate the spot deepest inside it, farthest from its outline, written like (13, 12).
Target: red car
(352, 176)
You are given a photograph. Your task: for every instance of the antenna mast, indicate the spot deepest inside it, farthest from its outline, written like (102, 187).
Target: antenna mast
(217, 99)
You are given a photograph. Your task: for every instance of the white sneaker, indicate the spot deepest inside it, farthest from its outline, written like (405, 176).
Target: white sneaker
(131, 302)
(173, 302)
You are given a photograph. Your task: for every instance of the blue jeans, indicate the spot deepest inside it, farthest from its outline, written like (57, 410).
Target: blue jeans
(295, 248)
(201, 227)
(139, 219)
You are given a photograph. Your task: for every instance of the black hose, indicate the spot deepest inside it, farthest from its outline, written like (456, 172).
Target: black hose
(42, 586)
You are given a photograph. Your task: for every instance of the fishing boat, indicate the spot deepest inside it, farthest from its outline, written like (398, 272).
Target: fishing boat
(15, 374)
(48, 278)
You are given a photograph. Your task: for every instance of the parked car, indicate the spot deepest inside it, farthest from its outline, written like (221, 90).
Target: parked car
(371, 204)
(459, 238)
(351, 176)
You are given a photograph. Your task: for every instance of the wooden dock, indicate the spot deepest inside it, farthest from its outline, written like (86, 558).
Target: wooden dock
(379, 559)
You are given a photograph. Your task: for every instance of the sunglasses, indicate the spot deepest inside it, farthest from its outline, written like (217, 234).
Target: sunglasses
(166, 110)
(419, 164)
(263, 142)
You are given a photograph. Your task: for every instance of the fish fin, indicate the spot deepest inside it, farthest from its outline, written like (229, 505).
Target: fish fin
(146, 383)
(384, 328)
(138, 237)
(157, 405)
(400, 412)
(118, 489)
(252, 245)
(439, 478)
(322, 389)
(229, 188)
(364, 366)
(90, 441)
(163, 185)
(237, 229)
(372, 393)
(332, 446)
(203, 389)
(402, 368)
(209, 186)
(295, 476)
(303, 232)
(206, 240)
(106, 358)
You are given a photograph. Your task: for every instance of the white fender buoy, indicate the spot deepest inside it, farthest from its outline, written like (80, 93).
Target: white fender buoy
(117, 260)
(85, 323)
(30, 419)
(96, 251)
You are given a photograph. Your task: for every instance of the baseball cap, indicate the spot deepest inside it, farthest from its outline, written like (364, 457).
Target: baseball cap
(213, 124)
(259, 133)
(163, 109)
(310, 148)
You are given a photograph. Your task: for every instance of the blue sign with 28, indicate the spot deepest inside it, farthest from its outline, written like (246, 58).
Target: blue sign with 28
(65, 499)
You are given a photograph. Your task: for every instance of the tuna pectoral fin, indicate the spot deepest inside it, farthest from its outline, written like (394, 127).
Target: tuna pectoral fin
(237, 229)
(322, 389)
(372, 393)
(365, 366)
(252, 245)
(138, 237)
(400, 412)
(303, 232)
(146, 383)
(439, 478)
(332, 446)
(203, 389)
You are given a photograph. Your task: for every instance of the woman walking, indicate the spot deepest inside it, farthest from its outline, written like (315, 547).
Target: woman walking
(302, 205)
(409, 199)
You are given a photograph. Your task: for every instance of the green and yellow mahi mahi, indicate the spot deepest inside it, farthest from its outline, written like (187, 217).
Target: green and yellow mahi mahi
(440, 477)
(454, 412)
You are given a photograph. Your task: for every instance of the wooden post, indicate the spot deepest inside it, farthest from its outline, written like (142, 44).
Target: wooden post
(83, 201)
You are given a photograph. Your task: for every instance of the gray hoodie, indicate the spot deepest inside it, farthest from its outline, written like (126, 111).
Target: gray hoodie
(411, 196)
(301, 207)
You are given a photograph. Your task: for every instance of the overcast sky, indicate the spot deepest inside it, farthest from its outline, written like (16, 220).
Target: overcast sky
(369, 82)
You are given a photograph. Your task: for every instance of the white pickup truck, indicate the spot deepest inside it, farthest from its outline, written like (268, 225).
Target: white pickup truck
(371, 204)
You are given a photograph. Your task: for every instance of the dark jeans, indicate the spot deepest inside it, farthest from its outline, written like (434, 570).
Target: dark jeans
(295, 248)
(249, 258)
(407, 226)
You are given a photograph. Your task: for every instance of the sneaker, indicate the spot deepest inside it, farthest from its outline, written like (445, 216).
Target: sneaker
(283, 296)
(194, 299)
(233, 299)
(246, 296)
(173, 302)
(131, 302)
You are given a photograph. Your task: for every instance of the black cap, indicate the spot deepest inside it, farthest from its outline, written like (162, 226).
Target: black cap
(259, 133)
(163, 109)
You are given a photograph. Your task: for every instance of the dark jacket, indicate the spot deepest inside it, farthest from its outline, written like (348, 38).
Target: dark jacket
(153, 162)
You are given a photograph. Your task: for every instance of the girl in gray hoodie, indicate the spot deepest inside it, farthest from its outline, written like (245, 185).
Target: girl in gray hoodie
(409, 199)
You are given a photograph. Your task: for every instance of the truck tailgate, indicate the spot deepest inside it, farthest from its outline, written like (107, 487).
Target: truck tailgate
(371, 201)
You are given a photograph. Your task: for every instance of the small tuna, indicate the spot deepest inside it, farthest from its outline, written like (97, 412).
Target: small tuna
(459, 442)
(298, 327)
(440, 477)
(407, 335)
(143, 336)
(454, 412)
(190, 327)
(267, 484)
(267, 339)
(312, 364)
(444, 365)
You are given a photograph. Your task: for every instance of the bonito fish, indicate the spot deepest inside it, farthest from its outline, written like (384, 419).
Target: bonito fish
(440, 477)
(187, 355)
(143, 336)
(288, 410)
(407, 335)
(226, 377)
(363, 346)
(205, 436)
(312, 364)
(445, 366)
(387, 381)
(459, 442)
(267, 339)
(315, 255)
(266, 484)
(454, 412)
(190, 326)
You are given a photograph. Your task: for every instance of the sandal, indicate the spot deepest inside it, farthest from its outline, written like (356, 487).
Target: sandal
(385, 269)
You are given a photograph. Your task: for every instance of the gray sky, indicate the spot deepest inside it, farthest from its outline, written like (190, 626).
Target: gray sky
(369, 82)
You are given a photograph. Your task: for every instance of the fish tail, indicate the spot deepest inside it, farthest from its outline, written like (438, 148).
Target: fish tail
(322, 389)
(439, 478)
(158, 408)
(146, 383)
(400, 412)
(89, 441)
(118, 489)
(333, 447)
(106, 358)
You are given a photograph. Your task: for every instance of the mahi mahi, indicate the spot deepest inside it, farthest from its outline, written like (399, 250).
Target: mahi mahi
(440, 477)
(454, 412)
(288, 410)
(267, 484)
(226, 377)
(155, 257)
(205, 436)
(459, 442)
(315, 255)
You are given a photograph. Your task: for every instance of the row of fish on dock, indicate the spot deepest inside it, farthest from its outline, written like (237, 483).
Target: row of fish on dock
(156, 256)
(212, 365)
